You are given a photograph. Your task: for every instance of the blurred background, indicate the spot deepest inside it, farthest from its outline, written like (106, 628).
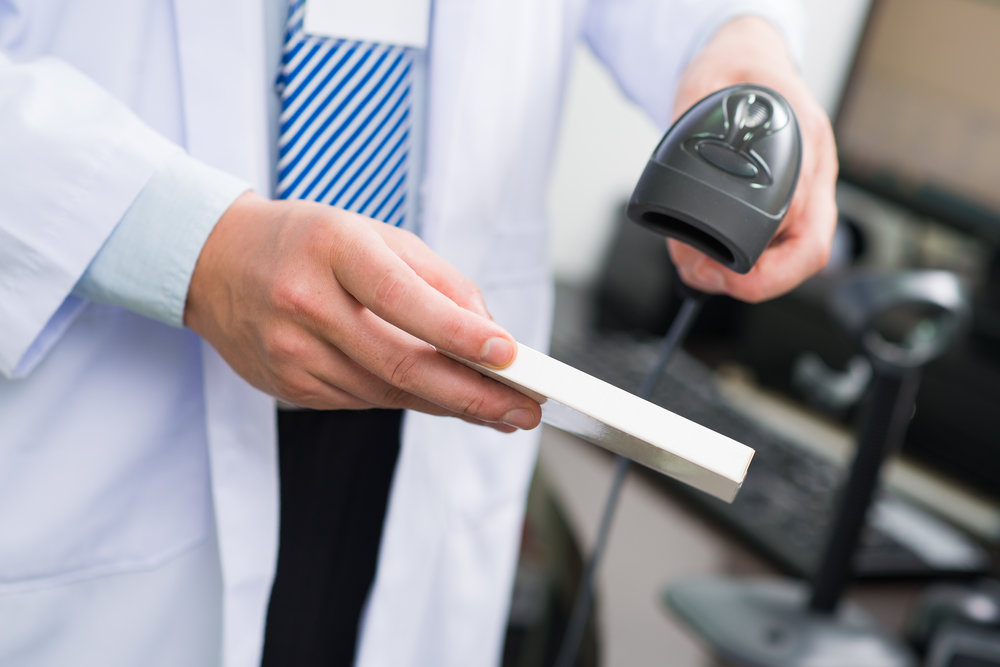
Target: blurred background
(913, 88)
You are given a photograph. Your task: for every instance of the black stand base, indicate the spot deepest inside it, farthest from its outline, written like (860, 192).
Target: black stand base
(768, 624)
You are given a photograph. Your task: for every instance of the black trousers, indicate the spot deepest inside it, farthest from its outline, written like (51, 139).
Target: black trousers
(335, 471)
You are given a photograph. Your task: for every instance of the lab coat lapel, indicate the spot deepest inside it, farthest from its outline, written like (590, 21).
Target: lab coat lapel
(243, 459)
(495, 85)
(223, 78)
(458, 213)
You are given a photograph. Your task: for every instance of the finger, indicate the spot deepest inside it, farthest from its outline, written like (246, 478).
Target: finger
(801, 245)
(335, 382)
(328, 397)
(342, 374)
(404, 363)
(332, 380)
(369, 391)
(369, 269)
(306, 390)
(797, 252)
(696, 269)
(782, 267)
(415, 367)
(439, 274)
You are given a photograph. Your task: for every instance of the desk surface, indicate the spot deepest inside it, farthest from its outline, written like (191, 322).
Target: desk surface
(656, 539)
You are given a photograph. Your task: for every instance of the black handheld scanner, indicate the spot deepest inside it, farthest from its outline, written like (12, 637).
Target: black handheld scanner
(723, 175)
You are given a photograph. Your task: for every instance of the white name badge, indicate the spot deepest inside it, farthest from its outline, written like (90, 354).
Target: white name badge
(398, 22)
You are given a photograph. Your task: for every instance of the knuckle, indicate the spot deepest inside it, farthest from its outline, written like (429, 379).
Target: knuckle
(284, 346)
(468, 290)
(455, 329)
(755, 294)
(344, 243)
(752, 290)
(820, 257)
(816, 254)
(292, 293)
(474, 405)
(296, 388)
(390, 290)
(404, 371)
(392, 397)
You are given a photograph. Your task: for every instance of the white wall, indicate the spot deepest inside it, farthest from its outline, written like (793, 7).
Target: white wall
(605, 140)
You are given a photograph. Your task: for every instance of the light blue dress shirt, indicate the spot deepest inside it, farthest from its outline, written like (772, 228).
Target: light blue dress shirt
(147, 262)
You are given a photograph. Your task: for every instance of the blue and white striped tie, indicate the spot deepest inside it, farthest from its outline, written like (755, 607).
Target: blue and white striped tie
(344, 136)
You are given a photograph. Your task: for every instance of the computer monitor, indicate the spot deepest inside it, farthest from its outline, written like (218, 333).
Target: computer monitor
(919, 119)
(919, 125)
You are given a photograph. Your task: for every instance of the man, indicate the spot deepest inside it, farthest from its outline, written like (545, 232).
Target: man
(137, 466)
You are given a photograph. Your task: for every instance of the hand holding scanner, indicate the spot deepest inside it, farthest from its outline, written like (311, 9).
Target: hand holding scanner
(722, 177)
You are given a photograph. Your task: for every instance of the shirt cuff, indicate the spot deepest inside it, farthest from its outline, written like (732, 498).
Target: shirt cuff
(147, 262)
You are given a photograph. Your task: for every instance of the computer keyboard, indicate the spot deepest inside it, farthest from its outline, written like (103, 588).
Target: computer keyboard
(789, 496)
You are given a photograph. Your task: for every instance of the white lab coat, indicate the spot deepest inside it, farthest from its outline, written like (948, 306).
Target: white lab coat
(129, 452)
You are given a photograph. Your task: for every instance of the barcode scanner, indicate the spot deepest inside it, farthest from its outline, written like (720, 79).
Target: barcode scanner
(722, 177)
(720, 180)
